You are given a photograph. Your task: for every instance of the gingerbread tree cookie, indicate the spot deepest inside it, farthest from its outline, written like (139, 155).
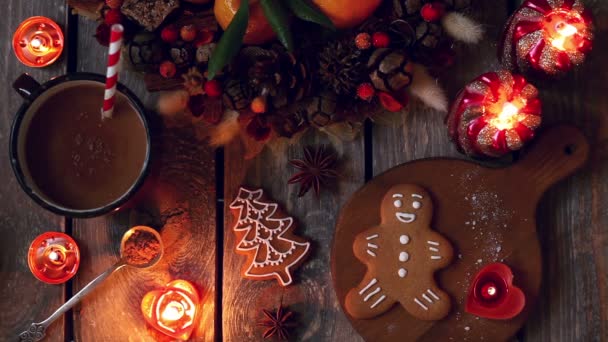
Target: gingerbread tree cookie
(265, 235)
(401, 256)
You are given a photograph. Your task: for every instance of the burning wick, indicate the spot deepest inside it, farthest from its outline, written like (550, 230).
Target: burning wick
(489, 291)
(172, 312)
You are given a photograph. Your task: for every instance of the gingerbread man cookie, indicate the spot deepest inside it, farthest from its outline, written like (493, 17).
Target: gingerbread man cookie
(401, 256)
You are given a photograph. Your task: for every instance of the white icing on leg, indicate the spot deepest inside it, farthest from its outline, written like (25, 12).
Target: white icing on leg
(432, 294)
(435, 257)
(427, 298)
(371, 294)
(371, 253)
(378, 301)
(371, 237)
(420, 303)
(433, 249)
(371, 245)
(433, 243)
(371, 283)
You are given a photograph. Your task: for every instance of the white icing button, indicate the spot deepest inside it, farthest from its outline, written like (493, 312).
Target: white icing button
(403, 256)
(397, 203)
(404, 239)
(416, 205)
(402, 272)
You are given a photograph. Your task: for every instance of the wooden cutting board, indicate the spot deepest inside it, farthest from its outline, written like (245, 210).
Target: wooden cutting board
(488, 214)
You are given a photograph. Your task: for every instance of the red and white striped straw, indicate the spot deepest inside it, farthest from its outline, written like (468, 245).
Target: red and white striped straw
(112, 73)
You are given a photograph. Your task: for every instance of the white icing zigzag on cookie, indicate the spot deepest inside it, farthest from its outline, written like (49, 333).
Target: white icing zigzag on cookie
(260, 228)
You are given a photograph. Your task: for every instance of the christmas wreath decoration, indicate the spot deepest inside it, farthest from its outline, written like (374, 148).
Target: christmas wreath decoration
(271, 69)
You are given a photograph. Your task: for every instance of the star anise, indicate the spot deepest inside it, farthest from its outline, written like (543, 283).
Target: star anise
(317, 168)
(277, 323)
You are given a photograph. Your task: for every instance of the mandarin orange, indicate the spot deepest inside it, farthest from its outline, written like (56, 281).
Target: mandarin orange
(347, 13)
(258, 29)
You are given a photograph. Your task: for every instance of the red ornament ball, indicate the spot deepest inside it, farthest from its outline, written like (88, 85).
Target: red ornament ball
(102, 34)
(114, 3)
(363, 41)
(169, 34)
(113, 16)
(188, 33)
(213, 88)
(366, 91)
(167, 69)
(432, 11)
(381, 40)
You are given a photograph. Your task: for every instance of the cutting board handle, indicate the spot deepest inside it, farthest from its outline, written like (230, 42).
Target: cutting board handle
(557, 153)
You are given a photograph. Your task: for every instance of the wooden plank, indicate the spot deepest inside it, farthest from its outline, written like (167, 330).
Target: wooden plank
(178, 199)
(23, 298)
(573, 217)
(311, 297)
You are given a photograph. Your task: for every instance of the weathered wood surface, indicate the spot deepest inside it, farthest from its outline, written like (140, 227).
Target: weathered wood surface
(311, 297)
(178, 199)
(573, 218)
(23, 299)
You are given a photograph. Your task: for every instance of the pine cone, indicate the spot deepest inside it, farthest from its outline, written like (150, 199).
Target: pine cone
(390, 70)
(275, 73)
(290, 120)
(342, 66)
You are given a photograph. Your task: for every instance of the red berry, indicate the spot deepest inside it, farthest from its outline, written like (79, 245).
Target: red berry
(167, 69)
(102, 34)
(204, 37)
(363, 41)
(389, 102)
(212, 88)
(114, 3)
(169, 34)
(432, 11)
(188, 33)
(113, 16)
(381, 39)
(365, 91)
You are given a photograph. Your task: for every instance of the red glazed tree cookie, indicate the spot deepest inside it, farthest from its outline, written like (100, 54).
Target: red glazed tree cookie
(401, 256)
(266, 236)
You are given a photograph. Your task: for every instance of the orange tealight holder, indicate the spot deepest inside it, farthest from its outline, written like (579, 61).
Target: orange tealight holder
(53, 257)
(173, 309)
(38, 42)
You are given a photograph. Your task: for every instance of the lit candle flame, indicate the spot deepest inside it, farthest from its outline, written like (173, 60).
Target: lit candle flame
(507, 118)
(491, 290)
(36, 43)
(172, 312)
(53, 256)
(564, 31)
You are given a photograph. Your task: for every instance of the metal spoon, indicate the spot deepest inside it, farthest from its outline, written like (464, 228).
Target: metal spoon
(36, 331)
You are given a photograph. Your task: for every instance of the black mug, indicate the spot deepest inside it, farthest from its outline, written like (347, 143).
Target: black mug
(34, 95)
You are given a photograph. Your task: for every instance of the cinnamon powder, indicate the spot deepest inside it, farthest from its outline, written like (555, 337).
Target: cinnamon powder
(141, 248)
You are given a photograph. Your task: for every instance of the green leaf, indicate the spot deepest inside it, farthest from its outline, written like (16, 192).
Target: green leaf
(277, 16)
(306, 12)
(230, 42)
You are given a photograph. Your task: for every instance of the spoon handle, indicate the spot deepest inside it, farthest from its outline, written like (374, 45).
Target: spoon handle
(36, 330)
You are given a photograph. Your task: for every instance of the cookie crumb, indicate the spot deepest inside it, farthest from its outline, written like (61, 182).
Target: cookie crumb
(498, 249)
(479, 261)
(467, 328)
(459, 256)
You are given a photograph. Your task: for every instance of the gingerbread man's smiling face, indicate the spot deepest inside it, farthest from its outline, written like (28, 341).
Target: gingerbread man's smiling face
(404, 204)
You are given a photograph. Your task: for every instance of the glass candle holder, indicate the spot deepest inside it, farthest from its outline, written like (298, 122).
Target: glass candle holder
(53, 257)
(38, 42)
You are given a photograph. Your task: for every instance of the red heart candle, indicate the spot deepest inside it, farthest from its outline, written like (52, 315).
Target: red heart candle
(493, 295)
(495, 114)
(173, 309)
(547, 36)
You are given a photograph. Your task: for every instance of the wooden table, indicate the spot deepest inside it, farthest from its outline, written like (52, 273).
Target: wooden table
(193, 181)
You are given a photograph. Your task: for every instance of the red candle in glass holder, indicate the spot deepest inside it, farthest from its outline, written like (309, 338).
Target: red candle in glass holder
(38, 42)
(495, 114)
(546, 36)
(172, 310)
(53, 257)
(493, 295)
